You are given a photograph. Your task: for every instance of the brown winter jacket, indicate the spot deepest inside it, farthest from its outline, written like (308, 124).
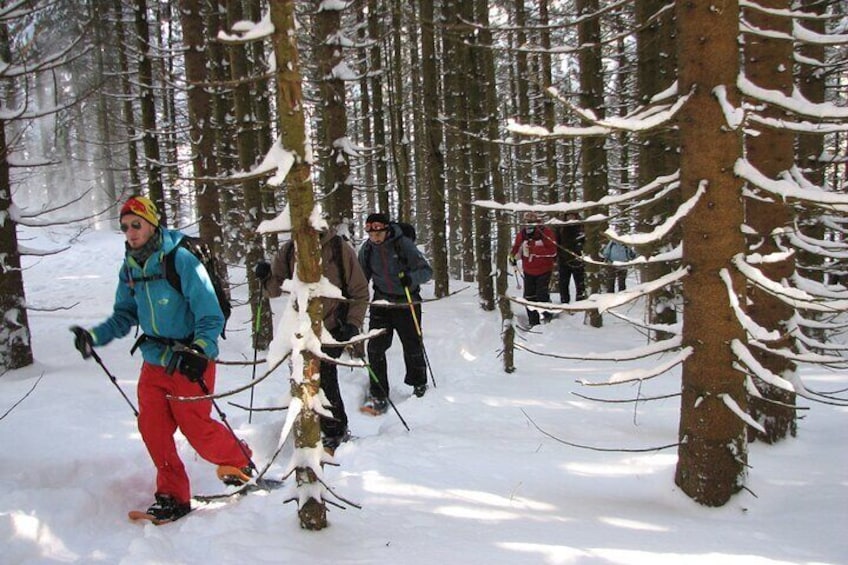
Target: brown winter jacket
(357, 286)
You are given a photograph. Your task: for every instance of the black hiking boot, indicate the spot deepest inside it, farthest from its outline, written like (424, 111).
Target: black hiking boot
(331, 443)
(166, 509)
(419, 390)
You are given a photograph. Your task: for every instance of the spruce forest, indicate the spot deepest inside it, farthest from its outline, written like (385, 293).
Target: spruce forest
(710, 137)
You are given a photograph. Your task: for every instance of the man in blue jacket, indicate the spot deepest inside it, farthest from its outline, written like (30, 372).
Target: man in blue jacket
(181, 329)
(397, 270)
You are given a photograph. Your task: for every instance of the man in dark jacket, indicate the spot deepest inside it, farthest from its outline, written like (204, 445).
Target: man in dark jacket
(397, 269)
(179, 345)
(570, 237)
(342, 319)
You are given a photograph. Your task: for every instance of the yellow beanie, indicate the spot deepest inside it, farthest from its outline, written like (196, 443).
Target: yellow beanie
(143, 208)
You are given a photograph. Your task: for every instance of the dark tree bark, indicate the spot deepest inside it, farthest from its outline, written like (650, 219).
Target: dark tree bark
(153, 163)
(593, 157)
(772, 153)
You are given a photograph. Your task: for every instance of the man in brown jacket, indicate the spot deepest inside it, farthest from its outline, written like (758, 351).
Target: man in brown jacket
(343, 319)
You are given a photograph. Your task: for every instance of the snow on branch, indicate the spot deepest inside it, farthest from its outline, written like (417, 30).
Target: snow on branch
(744, 416)
(748, 324)
(798, 127)
(659, 183)
(806, 35)
(787, 188)
(654, 348)
(246, 31)
(744, 355)
(794, 13)
(803, 357)
(794, 297)
(605, 301)
(795, 103)
(664, 228)
(644, 119)
(639, 375)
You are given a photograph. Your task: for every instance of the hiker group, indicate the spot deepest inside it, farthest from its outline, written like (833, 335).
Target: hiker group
(167, 288)
(538, 249)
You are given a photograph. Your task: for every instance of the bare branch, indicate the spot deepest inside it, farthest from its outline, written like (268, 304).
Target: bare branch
(593, 448)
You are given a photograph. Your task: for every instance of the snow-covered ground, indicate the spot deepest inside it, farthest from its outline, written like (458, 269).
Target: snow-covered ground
(472, 482)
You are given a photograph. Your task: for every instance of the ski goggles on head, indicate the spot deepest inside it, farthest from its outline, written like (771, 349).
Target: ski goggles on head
(135, 224)
(376, 227)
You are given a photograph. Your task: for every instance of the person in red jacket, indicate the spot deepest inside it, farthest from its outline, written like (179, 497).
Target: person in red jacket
(535, 246)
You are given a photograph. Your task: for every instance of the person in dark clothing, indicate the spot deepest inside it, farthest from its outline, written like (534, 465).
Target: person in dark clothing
(570, 265)
(397, 269)
(342, 319)
(535, 245)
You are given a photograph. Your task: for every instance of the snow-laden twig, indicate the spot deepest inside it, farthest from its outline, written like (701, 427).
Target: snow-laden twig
(744, 416)
(794, 297)
(649, 350)
(635, 375)
(743, 354)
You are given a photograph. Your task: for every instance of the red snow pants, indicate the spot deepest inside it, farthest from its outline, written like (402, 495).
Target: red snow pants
(159, 418)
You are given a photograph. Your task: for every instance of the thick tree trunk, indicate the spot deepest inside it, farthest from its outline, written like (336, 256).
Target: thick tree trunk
(658, 150)
(435, 159)
(593, 157)
(713, 448)
(772, 153)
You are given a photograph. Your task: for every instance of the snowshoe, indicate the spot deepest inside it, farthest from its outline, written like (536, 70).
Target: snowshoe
(375, 406)
(163, 511)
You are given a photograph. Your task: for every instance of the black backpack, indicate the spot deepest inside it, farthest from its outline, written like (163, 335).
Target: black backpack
(210, 262)
(408, 232)
(214, 268)
(407, 229)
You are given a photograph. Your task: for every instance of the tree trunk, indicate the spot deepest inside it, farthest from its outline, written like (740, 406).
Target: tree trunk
(153, 163)
(336, 163)
(658, 150)
(128, 97)
(713, 449)
(772, 153)
(593, 158)
(434, 160)
(305, 387)
(478, 96)
(380, 157)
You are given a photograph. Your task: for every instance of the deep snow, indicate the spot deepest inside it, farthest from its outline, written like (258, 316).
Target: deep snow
(472, 482)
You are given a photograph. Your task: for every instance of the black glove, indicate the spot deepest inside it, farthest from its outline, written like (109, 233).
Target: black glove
(262, 270)
(345, 332)
(405, 280)
(191, 363)
(83, 341)
(512, 260)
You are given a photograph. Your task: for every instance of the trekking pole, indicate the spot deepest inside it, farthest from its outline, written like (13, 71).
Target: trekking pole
(255, 348)
(377, 382)
(420, 334)
(114, 381)
(179, 347)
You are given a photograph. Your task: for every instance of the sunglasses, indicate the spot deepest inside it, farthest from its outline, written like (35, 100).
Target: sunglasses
(376, 228)
(136, 225)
